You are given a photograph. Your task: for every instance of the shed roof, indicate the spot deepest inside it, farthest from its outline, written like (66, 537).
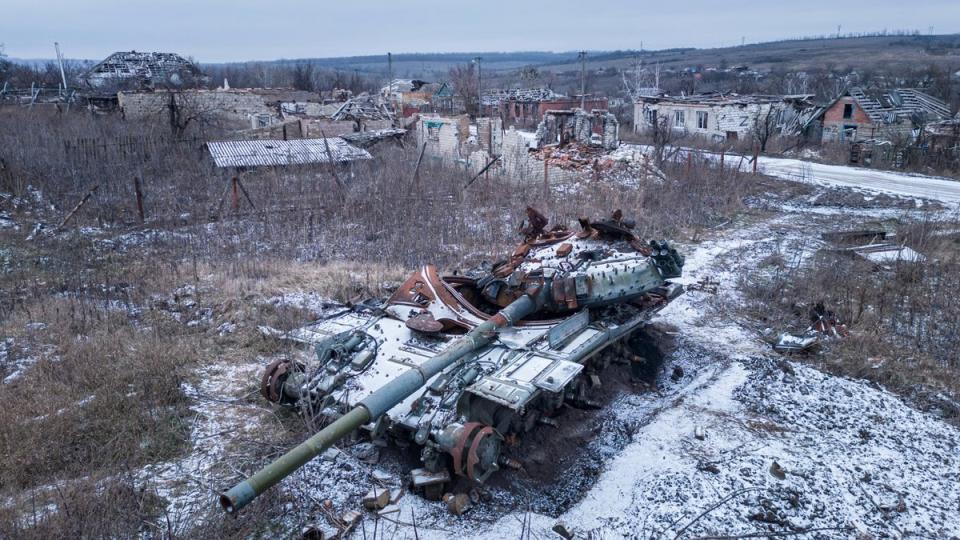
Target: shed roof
(264, 153)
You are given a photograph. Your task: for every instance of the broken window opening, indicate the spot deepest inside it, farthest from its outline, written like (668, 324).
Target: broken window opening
(702, 119)
(651, 116)
(848, 110)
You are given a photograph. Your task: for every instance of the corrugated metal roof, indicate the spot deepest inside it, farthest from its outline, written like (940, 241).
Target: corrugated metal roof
(267, 153)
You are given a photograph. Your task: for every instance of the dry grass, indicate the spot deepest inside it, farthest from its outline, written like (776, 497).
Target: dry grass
(108, 399)
(904, 324)
(337, 280)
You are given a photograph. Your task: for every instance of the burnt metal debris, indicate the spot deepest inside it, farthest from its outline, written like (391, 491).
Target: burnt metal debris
(458, 364)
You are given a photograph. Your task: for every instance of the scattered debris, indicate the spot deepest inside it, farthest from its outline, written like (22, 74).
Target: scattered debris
(457, 504)
(705, 284)
(388, 509)
(376, 498)
(777, 471)
(797, 343)
(561, 529)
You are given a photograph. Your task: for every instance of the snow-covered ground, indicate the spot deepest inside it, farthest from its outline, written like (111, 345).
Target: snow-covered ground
(933, 188)
(893, 183)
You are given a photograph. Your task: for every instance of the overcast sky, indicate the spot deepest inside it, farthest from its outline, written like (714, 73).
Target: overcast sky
(234, 30)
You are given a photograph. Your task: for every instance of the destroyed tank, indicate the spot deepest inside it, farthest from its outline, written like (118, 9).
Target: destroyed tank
(458, 364)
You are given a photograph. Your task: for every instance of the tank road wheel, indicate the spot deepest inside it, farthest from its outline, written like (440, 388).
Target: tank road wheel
(578, 394)
(476, 452)
(274, 377)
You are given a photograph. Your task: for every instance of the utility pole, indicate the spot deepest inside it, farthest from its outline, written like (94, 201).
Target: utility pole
(478, 60)
(637, 80)
(396, 114)
(583, 79)
(63, 76)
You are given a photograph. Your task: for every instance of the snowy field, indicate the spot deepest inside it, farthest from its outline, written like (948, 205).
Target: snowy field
(892, 183)
(935, 188)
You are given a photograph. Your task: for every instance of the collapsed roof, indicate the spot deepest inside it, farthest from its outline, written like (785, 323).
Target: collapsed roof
(892, 106)
(403, 85)
(363, 107)
(144, 69)
(730, 99)
(494, 97)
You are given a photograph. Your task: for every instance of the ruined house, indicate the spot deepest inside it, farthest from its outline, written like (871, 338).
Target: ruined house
(525, 108)
(565, 146)
(366, 112)
(887, 115)
(597, 128)
(230, 108)
(408, 91)
(721, 117)
(263, 113)
(144, 70)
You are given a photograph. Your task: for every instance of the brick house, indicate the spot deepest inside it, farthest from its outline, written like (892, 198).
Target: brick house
(525, 108)
(860, 115)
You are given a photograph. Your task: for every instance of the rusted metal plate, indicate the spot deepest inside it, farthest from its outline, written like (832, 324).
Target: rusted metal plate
(424, 323)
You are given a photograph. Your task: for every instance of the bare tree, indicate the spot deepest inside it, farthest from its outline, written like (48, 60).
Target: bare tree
(664, 140)
(466, 83)
(765, 126)
(186, 110)
(303, 77)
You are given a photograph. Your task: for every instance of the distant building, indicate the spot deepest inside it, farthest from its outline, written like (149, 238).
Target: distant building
(144, 70)
(403, 92)
(897, 114)
(723, 116)
(446, 100)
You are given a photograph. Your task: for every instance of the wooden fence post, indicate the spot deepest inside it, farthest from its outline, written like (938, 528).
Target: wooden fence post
(139, 192)
(236, 194)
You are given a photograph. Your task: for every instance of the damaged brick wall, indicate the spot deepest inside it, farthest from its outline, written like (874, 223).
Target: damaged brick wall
(234, 107)
(445, 137)
(490, 134)
(596, 128)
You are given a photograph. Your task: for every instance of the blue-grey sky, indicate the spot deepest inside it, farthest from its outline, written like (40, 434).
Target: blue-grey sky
(233, 30)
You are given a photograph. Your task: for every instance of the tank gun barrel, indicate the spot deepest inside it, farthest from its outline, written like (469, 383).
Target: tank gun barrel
(377, 403)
